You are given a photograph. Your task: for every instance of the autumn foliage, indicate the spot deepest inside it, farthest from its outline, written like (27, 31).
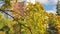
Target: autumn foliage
(34, 17)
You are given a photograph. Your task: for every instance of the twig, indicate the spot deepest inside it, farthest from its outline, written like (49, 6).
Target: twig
(16, 20)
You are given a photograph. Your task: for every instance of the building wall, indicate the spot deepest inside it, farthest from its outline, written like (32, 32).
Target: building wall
(20, 4)
(19, 7)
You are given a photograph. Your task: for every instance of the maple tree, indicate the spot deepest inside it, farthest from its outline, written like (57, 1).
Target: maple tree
(35, 18)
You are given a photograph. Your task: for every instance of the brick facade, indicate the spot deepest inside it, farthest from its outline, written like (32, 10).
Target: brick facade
(19, 7)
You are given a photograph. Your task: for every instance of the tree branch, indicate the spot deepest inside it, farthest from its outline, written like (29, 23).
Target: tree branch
(16, 20)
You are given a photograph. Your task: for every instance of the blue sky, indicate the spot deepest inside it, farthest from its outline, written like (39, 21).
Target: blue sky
(1, 3)
(49, 5)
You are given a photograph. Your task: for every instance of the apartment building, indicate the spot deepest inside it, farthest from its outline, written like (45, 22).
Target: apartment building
(20, 4)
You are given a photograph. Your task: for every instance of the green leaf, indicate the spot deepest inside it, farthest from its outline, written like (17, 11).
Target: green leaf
(1, 25)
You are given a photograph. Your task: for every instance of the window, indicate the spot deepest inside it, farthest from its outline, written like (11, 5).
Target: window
(14, 7)
(18, 6)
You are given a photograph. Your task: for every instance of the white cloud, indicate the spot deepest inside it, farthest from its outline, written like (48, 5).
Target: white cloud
(43, 1)
(53, 1)
(51, 11)
(47, 1)
(33, 1)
